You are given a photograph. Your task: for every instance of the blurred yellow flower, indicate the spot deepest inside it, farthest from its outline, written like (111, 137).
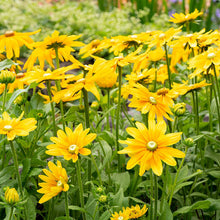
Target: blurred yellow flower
(55, 181)
(11, 196)
(16, 126)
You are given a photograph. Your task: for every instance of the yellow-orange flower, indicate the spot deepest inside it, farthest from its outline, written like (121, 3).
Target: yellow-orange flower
(145, 101)
(120, 215)
(55, 181)
(71, 144)
(12, 41)
(150, 146)
(182, 18)
(135, 211)
(16, 126)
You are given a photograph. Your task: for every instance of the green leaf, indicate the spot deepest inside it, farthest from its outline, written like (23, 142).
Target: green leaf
(105, 216)
(15, 95)
(215, 204)
(31, 211)
(121, 179)
(26, 167)
(76, 208)
(166, 214)
(214, 173)
(181, 185)
(35, 172)
(117, 199)
(212, 155)
(6, 174)
(6, 64)
(136, 200)
(198, 205)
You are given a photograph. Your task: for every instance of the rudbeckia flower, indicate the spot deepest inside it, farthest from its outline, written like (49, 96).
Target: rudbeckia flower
(145, 101)
(12, 41)
(135, 211)
(150, 146)
(55, 181)
(71, 144)
(182, 18)
(16, 126)
(120, 215)
(46, 50)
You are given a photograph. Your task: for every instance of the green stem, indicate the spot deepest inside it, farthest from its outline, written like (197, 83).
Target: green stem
(14, 154)
(59, 88)
(156, 196)
(11, 213)
(78, 173)
(66, 206)
(118, 115)
(175, 180)
(164, 189)
(4, 97)
(50, 211)
(52, 107)
(168, 66)
(108, 106)
(86, 104)
(151, 195)
(216, 82)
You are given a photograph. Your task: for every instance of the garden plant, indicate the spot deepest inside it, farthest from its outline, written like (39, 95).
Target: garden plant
(123, 127)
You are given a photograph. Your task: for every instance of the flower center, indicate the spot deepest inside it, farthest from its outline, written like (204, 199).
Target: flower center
(152, 100)
(46, 74)
(162, 91)
(59, 183)
(162, 35)
(186, 16)
(72, 148)
(9, 33)
(151, 145)
(120, 218)
(7, 128)
(211, 55)
(81, 80)
(133, 36)
(19, 75)
(189, 35)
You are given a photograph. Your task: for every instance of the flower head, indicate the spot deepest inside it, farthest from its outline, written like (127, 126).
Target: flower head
(150, 146)
(55, 181)
(135, 211)
(12, 41)
(16, 126)
(11, 196)
(71, 144)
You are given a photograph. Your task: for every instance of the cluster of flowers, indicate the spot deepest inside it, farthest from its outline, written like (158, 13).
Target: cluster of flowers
(149, 88)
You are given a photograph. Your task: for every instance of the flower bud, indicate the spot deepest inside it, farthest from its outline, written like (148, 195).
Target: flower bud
(179, 109)
(81, 108)
(188, 142)
(99, 190)
(19, 100)
(11, 196)
(95, 105)
(103, 198)
(7, 76)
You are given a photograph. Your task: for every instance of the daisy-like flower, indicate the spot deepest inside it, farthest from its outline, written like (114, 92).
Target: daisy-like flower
(135, 211)
(12, 41)
(150, 146)
(145, 101)
(16, 126)
(46, 50)
(182, 18)
(71, 144)
(90, 48)
(120, 215)
(55, 181)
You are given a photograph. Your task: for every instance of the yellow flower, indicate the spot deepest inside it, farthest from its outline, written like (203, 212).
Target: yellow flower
(90, 48)
(11, 196)
(136, 211)
(150, 146)
(166, 96)
(197, 86)
(105, 71)
(120, 215)
(71, 143)
(16, 126)
(12, 41)
(156, 55)
(55, 181)
(182, 18)
(45, 50)
(145, 101)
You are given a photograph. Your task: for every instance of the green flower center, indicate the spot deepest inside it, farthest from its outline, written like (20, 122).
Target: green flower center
(59, 183)
(120, 218)
(9, 33)
(211, 55)
(46, 74)
(151, 145)
(72, 148)
(162, 35)
(7, 128)
(56, 45)
(152, 100)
